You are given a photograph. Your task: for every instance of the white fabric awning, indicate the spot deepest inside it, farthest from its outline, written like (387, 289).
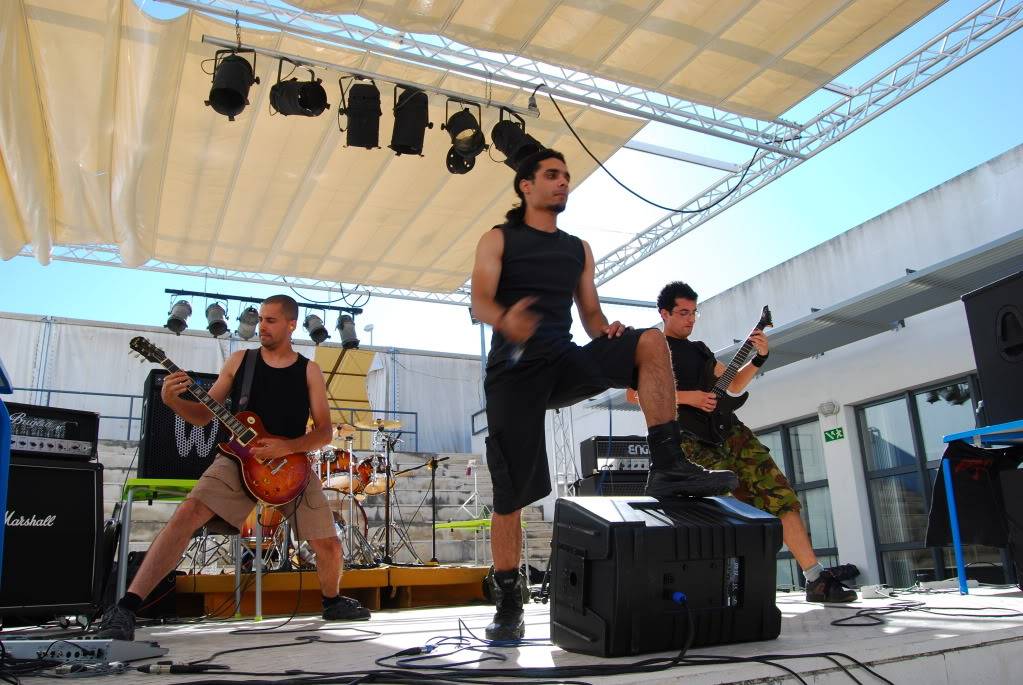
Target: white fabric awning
(754, 57)
(105, 140)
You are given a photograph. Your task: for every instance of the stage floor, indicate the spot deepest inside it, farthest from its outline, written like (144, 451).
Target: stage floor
(911, 647)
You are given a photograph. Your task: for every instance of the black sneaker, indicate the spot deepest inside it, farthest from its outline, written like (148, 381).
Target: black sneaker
(828, 589)
(117, 624)
(844, 572)
(508, 624)
(686, 479)
(345, 609)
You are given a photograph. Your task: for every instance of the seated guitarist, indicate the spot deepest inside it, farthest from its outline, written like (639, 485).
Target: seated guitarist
(286, 389)
(761, 482)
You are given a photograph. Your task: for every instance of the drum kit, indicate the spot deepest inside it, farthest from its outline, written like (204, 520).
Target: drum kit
(347, 481)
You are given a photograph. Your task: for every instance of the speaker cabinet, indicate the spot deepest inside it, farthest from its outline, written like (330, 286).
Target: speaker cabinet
(635, 574)
(52, 555)
(995, 316)
(169, 446)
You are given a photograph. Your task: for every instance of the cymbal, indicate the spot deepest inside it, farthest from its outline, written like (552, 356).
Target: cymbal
(379, 424)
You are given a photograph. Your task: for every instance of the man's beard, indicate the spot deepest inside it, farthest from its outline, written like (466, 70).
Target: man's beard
(557, 208)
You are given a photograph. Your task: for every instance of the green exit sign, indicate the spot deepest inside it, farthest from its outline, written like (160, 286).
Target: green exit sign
(834, 434)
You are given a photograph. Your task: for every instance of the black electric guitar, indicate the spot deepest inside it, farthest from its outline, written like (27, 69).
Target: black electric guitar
(710, 427)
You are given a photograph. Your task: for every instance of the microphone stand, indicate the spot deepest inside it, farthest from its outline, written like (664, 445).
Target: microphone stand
(432, 465)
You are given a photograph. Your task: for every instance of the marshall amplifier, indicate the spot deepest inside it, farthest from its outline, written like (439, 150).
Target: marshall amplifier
(52, 563)
(169, 446)
(53, 432)
(615, 465)
(635, 574)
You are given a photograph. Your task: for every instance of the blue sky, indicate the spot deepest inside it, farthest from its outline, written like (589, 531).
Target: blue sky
(958, 122)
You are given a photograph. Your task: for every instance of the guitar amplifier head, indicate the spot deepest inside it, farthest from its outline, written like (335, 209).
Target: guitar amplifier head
(614, 453)
(169, 446)
(38, 431)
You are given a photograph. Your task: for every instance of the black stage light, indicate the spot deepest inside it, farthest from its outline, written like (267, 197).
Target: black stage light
(363, 111)
(247, 322)
(215, 323)
(349, 338)
(411, 119)
(232, 78)
(317, 331)
(294, 97)
(510, 138)
(467, 140)
(177, 317)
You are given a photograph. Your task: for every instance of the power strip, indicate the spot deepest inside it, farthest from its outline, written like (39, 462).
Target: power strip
(947, 584)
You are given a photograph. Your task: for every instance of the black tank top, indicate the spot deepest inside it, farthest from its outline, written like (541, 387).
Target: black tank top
(546, 266)
(689, 361)
(280, 397)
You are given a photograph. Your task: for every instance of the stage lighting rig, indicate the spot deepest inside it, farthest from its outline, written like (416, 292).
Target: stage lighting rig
(177, 317)
(247, 322)
(511, 139)
(411, 119)
(346, 326)
(302, 98)
(317, 331)
(467, 139)
(232, 78)
(363, 111)
(215, 323)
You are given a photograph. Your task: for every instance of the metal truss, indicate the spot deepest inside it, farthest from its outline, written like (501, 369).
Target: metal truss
(566, 467)
(108, 255)
(982, 28)
(446, 55)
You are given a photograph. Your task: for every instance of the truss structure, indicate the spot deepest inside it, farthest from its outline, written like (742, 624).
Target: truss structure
(780, 146)
(566, 466)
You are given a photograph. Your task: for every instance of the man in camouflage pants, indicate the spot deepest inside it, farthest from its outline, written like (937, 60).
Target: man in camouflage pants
(761, 482)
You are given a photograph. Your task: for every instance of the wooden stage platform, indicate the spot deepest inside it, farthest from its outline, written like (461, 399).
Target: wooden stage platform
(385, 587)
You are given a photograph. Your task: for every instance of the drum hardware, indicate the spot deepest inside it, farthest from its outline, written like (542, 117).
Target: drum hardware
(432, 466)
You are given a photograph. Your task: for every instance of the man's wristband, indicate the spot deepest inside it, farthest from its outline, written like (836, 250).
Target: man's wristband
(759, 360)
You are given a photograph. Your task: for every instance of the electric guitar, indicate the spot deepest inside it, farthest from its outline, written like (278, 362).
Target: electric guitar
(273, 481)
(710, 427)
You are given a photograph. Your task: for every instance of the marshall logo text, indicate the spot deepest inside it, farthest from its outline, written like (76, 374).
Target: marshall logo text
(12, 519)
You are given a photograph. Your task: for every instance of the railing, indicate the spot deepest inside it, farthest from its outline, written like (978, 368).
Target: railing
(131, 418)
(409, 419)
(478, 422)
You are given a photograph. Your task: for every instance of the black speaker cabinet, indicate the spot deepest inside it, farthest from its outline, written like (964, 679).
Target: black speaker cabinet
(632, 574)
(1011, 483)
(995, 316)
(52, 555)
(169, 446)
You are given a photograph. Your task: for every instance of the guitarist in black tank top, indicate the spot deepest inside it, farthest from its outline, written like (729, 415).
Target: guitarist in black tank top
(761, 482)
(526, 276)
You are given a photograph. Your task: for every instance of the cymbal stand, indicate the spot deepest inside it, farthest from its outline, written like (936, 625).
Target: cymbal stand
(404, 540)
(358, 547)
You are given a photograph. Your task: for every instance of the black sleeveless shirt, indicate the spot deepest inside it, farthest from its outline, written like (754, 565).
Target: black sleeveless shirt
(280, 397)
(546, 266)
(689, 362)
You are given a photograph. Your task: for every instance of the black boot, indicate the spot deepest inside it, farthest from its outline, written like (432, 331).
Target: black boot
(672, 475)
(507, 593)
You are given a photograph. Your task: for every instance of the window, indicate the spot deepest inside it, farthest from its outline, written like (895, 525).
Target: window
(902, 448)
(798, 449)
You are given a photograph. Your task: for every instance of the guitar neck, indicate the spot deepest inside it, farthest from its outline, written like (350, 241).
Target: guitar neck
(738, 361)
(220, 412)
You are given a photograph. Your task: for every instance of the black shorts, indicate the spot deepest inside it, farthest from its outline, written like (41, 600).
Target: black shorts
(518, 397)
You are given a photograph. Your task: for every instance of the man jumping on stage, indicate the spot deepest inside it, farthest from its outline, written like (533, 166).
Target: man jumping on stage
(761, 482)
(286, 389)
(526, 275)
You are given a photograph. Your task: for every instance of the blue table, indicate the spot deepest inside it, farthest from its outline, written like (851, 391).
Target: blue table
(1010, 433)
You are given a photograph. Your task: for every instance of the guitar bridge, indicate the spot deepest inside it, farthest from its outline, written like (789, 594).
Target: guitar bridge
(278, 466)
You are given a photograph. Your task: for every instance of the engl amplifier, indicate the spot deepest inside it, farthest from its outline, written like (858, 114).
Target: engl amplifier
(613, 465)
(38, 431)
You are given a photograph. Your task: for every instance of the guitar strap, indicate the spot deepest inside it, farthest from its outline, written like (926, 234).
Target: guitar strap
(248, 371)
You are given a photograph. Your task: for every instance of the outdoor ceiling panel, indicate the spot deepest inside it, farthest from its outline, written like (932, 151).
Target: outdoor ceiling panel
(753, 57)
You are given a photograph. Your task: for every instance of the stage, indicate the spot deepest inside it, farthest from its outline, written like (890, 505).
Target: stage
(912, 647)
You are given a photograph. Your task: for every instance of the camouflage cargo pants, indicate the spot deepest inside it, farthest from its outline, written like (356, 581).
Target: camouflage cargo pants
(761, 482)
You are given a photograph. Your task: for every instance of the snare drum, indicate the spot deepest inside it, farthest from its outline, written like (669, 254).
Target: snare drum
(272, 519)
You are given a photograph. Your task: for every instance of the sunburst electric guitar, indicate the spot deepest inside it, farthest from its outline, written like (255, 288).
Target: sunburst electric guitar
(274, 481)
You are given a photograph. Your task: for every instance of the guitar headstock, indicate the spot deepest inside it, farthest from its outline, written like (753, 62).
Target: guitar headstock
(147, 350)
(765, 319)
